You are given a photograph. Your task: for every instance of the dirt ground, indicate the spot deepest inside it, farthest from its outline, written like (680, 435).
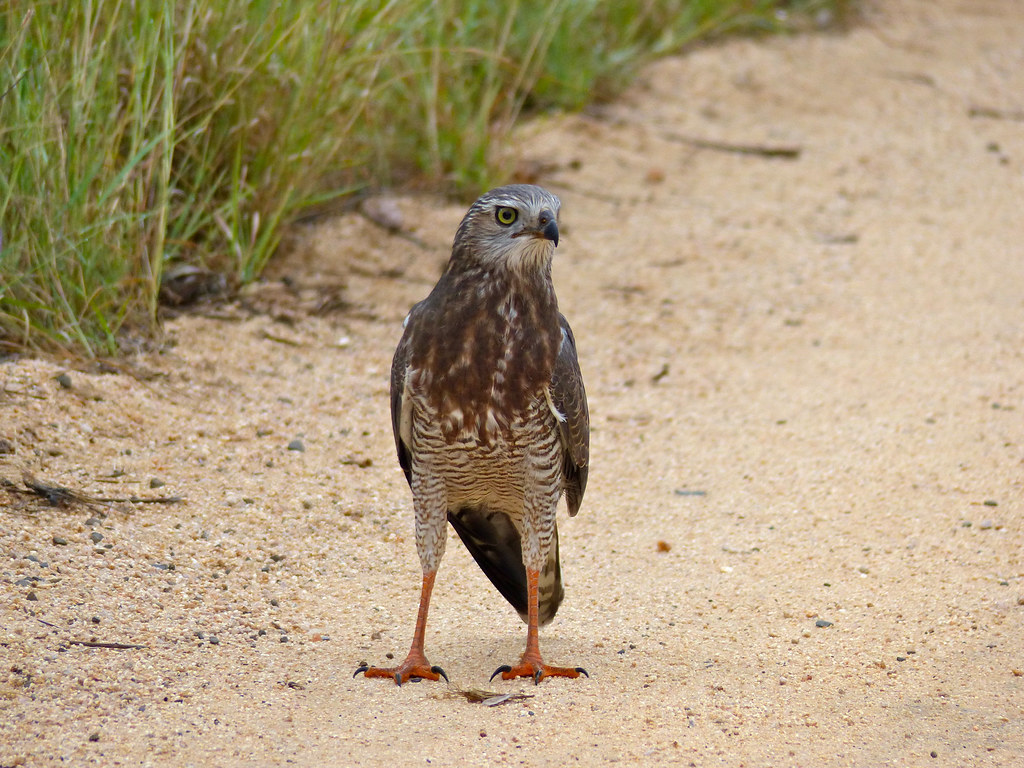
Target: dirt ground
(802, 539)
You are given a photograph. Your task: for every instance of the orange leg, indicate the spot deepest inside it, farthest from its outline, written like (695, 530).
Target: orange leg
(531, 664)
(415, 664)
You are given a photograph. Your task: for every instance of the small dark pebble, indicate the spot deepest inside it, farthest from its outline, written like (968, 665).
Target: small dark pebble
(27, 581)
(156, 482)
(64, 380)
(31, 597)
(94, 736)
(823, 623)
(934, 753)
(991, 503)
(6, 446)
(296, 445)
(277, 558)
(96, 537)
(214, 640)
(284, 638)
(95, 619)
(901, 658)
(92, 521)
(262, 632)
(60, 541)
(389, 655)
(274, 602)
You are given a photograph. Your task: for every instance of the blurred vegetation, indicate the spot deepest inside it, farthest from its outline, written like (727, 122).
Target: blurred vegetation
(142, 136)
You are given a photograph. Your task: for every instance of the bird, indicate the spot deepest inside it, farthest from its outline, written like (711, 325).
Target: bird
(490, 418)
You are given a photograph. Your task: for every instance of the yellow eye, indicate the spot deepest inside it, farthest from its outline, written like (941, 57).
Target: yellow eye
(506, 216)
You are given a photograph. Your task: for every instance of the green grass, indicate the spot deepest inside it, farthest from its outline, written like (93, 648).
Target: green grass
(140, 136)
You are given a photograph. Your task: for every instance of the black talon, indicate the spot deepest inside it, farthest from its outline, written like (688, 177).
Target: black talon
(398, 678)
(438, 671)
(498, 671)
(362, 668)
(582, 671)
(537, 676)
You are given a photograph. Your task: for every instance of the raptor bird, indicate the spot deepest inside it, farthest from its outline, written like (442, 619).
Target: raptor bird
(490, 417)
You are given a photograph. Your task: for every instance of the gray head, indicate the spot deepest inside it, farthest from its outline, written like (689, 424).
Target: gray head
(514, 226)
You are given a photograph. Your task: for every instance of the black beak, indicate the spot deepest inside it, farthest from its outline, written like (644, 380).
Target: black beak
(549, 227)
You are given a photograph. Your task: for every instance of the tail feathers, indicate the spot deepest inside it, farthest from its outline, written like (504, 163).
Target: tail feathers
(494, 542)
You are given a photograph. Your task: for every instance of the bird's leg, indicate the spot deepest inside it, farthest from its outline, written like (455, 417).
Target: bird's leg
(531, 664)
(415, 664)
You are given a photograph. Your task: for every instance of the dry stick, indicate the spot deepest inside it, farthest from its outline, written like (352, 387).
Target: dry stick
(996, 114)
(59, 496)
(758, 150)
(139, 500)
(114, 646)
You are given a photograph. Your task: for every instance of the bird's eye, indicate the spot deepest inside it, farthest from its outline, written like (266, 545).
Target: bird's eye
(506, 216)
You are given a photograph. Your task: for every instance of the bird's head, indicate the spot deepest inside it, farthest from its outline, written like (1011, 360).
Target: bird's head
(515, 227)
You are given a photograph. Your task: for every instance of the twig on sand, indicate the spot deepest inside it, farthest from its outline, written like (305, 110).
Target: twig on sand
(994, 113)
(487, 698)
(784, 152)
(114, 646)
(59, 496)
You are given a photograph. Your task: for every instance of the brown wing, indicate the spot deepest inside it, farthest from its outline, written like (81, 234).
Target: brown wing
(570, 398)
(399, 365)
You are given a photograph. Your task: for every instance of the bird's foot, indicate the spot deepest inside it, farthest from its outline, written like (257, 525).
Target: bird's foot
(415, 667)
(536, 669)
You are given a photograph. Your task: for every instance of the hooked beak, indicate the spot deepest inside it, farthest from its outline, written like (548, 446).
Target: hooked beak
(547, 228)
(549, 231)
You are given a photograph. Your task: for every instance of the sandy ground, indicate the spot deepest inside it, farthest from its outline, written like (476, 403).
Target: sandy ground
(802, 539)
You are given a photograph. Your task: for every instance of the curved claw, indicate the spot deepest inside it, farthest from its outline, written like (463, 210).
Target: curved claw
(438, 671)
(583, 672)
(361, 668)
(503, 668)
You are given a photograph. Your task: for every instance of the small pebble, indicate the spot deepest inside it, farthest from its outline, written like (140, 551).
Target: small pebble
(991, 503)
(94, 736)
(95, 619)
(214, 640)
(296, 445)
(284, 638)
(64, 380)
(60, 541)
(156, 482)
(31, 597)
(986, 525)
(6, 446)
(822, 623)
(96, 537)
